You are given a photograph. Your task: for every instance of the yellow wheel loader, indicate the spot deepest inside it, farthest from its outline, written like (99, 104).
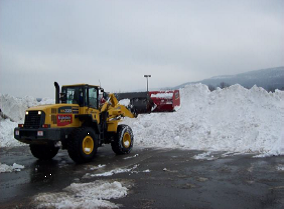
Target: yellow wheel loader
(78, 122)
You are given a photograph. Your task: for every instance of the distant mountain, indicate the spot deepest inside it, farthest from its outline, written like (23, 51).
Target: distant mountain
(269, 79)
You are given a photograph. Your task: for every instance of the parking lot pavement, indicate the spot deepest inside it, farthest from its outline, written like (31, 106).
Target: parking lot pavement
(155, 178)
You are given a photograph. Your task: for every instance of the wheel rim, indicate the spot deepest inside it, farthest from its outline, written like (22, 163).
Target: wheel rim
(126, 140)
(88, 145)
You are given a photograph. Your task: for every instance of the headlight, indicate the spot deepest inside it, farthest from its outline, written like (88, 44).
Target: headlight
(27, 112)
(39, 112)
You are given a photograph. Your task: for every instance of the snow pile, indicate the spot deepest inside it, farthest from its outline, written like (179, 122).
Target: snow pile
(6, 168)
(233, 119)
(83, 195)
(14, 109)
(7, 133)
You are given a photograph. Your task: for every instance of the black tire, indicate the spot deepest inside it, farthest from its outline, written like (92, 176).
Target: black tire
(123, 140)
(43, 152)
(82, 147)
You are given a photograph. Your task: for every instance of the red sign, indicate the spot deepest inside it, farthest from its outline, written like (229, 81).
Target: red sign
(64, 120)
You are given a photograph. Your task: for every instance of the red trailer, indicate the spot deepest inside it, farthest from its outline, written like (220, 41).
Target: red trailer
(152, 101)
(165, 101)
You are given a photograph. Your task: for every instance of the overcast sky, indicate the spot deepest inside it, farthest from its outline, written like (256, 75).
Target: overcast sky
(116, 42)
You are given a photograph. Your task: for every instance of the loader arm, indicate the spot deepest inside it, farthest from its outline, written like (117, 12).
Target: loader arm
(115, 109)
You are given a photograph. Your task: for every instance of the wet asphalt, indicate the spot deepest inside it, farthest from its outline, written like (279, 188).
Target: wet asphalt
(175, 179)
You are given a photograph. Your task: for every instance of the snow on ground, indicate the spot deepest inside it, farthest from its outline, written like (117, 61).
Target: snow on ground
(113, 172)
(233, 119)
(204, 156)
(6, 168)
(83, 195)
(280, 168)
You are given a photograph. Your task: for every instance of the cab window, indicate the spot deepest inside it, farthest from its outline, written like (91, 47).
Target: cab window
(74, 95)
(93, 98)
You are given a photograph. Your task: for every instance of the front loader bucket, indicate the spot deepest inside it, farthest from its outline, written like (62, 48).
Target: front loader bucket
(140, 102)
(165, 101)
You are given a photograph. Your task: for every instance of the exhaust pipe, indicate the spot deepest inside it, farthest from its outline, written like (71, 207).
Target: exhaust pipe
(57, 88)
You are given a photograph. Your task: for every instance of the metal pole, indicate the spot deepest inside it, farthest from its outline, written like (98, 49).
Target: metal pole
(147, 76)
(147, 84)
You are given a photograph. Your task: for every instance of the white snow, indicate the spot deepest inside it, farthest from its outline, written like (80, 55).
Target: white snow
(83, 195)
(6, 168)
(14, 108)
(124, 102)
(233, 119)
(113, 172)
(126, 158)
(280, 168)
(7, 133)
(162, 95)
(204, 156)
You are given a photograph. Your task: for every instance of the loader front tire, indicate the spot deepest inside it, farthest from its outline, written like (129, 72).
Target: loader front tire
(43, 152)
(123, 140)
(82, 147)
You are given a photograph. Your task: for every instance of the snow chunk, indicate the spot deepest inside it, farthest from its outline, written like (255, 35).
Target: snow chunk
(280, 168)
(124, 102)
(83, 195)
(115, 171)
(163, 95)
(6, 168)
(112, 172)
(204, 156)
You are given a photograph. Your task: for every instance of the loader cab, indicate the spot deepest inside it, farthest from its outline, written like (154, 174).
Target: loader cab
(81, 94)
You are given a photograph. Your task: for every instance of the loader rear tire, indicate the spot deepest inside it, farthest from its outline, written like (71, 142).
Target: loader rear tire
(123, 140)
(82, 147)
(43, 152)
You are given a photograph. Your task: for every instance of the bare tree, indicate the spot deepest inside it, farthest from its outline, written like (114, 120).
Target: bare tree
(211, 87)
(224, 85)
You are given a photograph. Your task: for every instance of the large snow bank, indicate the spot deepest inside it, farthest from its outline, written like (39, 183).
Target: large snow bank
(232, 119)
(84, 195)
(14, 108)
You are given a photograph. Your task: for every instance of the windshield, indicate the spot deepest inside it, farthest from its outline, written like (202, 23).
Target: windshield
(74, 95)
(81, 95)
